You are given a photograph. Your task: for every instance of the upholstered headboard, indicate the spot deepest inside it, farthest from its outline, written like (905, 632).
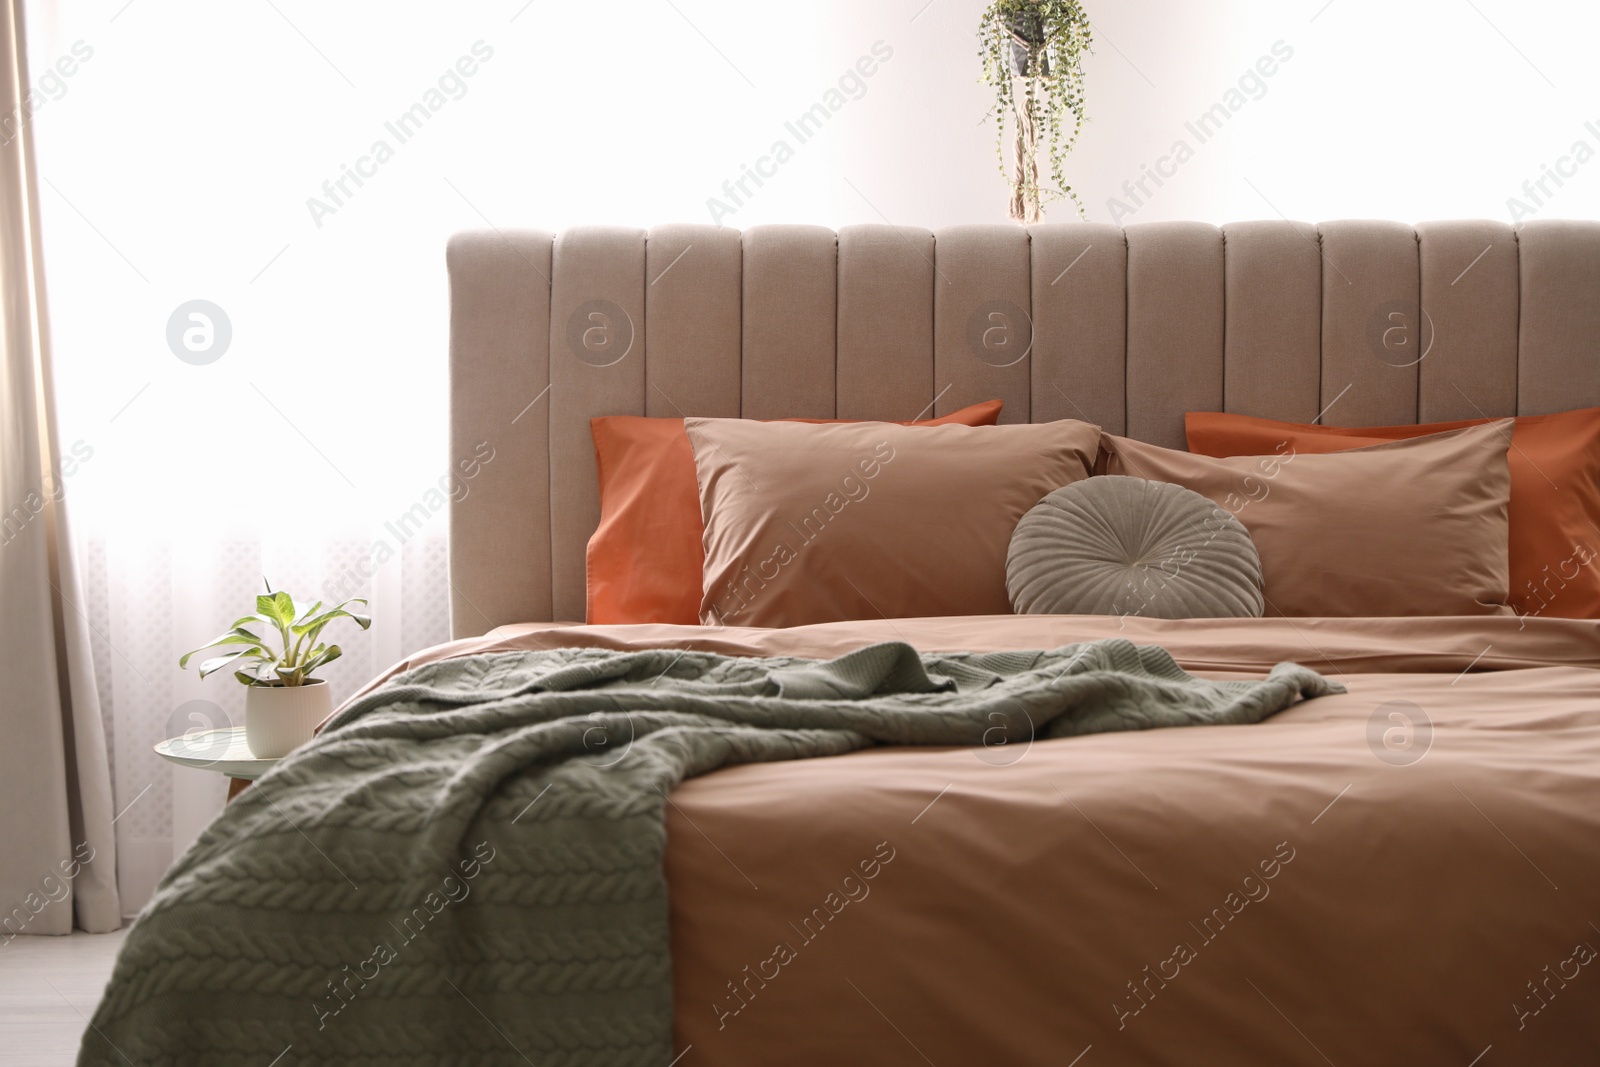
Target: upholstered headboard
(1366, 323)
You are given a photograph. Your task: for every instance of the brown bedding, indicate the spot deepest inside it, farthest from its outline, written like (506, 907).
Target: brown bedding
(1293, 892)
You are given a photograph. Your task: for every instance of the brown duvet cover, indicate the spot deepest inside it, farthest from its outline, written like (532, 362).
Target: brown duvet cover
(1408, 873)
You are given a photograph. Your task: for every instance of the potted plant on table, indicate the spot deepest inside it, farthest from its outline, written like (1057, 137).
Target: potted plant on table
(1033, 56)
(283, 702)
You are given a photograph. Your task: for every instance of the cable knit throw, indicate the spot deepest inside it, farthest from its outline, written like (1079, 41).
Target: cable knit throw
(465, 866)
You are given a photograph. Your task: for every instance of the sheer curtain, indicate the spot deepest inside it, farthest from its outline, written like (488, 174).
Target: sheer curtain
(251, 306)
(246, 207)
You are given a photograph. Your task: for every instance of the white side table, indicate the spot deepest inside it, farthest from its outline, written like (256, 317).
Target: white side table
(224, 751)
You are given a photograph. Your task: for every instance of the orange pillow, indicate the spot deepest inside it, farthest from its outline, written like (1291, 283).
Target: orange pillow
(1555, 492)
(645, 558)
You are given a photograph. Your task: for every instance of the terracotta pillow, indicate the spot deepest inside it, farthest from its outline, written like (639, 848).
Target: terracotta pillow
(1555, 492)
(807, 523)
(1412, 527)
(645, 559)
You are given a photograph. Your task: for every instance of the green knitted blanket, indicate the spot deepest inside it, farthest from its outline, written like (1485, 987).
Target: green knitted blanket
(465, 866)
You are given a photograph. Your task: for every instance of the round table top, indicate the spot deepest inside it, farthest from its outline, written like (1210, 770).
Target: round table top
(225, 751)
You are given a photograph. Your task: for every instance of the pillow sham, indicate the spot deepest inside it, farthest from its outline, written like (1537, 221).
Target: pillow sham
(1413, 527)
(1555, 492)
(820, 523)
(1126, 546)
(644, 560)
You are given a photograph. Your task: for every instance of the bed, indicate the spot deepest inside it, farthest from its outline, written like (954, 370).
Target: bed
(1402, 872)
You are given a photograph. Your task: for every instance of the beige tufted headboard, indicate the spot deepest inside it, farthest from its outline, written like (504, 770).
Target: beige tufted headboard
(1367, 322)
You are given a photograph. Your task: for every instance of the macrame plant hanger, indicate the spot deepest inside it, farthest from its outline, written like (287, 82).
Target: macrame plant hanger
(1027, 37)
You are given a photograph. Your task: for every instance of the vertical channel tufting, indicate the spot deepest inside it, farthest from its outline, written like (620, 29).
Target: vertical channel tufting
(885, 369)
(1377, 322)
(1272, 362)
(982, 321)
(1371, 323)
(1080, 320)
(1558, 360)
(691, 311)
(500, 420)
(1175, 324)
(597, 367)
(1469, 320)
(790, 322)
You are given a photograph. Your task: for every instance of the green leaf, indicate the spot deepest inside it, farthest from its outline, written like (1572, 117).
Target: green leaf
(244, 638)
(233, 637)
(278, 608)
(211, 666)
(290, 675)
(244, 679)
(320, 656)
(301, 615)
(311, 626)
(249, 646)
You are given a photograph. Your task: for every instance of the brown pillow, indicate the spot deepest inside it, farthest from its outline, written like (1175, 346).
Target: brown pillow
(1555, 492)
(1412, 527)
(821, 523)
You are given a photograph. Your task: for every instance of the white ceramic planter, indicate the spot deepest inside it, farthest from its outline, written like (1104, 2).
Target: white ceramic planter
(279, 719)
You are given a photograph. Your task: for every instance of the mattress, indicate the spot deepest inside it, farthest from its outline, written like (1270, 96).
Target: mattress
(1405, 873)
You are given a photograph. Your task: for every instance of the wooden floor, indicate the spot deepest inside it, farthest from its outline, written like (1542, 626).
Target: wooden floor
(49, 987)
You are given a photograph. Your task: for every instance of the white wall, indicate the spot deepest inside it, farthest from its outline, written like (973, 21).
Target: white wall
(1407, 110)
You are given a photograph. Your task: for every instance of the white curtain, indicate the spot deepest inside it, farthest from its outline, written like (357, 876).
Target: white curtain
(299, 166)
(55, 791)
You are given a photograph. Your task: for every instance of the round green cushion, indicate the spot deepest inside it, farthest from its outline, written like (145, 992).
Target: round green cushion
(1126, 546)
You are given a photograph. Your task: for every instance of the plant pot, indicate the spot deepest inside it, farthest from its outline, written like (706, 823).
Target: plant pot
(1027, 32)
(280, 718)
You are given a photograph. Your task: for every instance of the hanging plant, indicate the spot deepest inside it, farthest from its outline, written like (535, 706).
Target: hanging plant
(1032, 54)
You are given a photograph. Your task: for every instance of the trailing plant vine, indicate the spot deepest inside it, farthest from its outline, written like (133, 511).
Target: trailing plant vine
(1032, 53)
